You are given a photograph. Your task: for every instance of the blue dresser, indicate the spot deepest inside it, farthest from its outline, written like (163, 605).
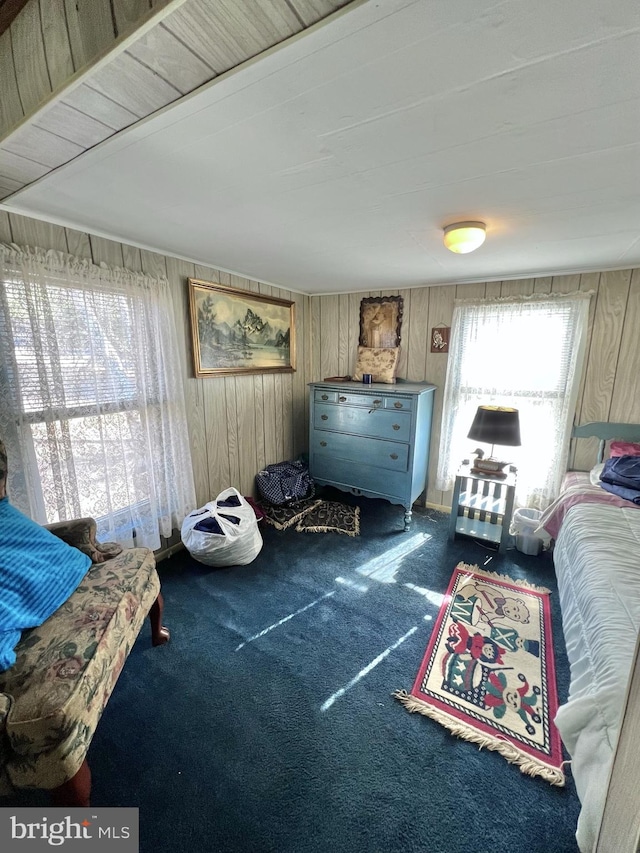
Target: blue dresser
(372, 440)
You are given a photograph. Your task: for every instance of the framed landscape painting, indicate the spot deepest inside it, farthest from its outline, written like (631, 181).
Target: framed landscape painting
(238, 331)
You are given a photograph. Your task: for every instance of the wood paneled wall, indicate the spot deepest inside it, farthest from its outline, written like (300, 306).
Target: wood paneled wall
(610, 386)
(237, 424)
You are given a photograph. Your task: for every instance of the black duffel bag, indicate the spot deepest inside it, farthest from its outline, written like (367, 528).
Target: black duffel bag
(285, 482)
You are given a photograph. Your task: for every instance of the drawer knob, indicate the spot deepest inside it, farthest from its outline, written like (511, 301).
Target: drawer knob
(398, 405)
(396, 426)
(394, 455)
(323, 444)
(342, 399)
(325, 396)
(324, 417)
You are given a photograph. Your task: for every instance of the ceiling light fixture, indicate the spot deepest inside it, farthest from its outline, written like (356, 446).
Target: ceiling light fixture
(463, 237)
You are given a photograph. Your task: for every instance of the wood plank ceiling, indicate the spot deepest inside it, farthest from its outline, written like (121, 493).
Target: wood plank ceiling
(74, 72)
(8, 11)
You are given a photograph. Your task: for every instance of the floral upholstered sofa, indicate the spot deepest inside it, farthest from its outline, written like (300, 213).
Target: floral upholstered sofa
(52, 698)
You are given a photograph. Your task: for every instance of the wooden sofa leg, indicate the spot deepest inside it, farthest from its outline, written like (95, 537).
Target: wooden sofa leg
(159, 633)
(76, 791)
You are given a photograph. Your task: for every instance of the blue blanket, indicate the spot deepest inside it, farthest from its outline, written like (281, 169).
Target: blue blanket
(632, 495)
(38, 573)
(621, 476)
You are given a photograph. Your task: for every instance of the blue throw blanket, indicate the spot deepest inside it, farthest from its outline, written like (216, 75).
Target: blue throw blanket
(621, 476)
(38, 573)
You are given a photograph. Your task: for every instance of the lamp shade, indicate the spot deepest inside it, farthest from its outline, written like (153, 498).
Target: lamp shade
(496, 425)
(463, 237)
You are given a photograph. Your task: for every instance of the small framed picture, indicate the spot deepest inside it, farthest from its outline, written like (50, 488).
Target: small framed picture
(239, 331)
(380, 321)
(440, 339)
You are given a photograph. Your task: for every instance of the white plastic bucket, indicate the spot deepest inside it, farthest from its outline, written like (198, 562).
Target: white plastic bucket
(523, 526)
(531, 545)
(525, 521)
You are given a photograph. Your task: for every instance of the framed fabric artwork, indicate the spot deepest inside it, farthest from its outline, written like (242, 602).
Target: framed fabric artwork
(380, 321)
(238, 331)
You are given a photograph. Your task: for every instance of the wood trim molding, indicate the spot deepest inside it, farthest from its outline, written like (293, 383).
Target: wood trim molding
(94, 63)
(9, 10)
(438, 507)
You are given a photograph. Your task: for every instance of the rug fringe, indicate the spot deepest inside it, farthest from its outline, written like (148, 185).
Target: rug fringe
(278, 525)
(525, 584)
(295, 519)
(320, 528)
(526, 764)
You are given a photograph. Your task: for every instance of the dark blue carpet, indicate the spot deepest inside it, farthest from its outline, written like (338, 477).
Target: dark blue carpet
(229, 749)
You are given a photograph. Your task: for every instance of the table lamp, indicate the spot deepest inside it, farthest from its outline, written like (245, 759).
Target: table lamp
(494, 425)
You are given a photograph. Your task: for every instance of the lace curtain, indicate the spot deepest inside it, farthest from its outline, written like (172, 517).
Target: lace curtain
(527, 353)
(91, 396)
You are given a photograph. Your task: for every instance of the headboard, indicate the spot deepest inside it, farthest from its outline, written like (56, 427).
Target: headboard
(607, 432)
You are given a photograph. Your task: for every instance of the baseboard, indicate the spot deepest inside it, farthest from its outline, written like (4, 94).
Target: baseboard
(439, 507)
(165, 553)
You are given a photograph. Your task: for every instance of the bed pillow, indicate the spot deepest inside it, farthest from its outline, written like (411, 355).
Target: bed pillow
(624, 448)
(380, 363)
(594, 474)
(38, 573)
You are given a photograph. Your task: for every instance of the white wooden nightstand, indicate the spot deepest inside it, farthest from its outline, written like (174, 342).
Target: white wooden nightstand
(482, 507)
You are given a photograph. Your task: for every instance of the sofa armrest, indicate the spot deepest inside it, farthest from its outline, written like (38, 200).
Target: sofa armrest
(81, 534)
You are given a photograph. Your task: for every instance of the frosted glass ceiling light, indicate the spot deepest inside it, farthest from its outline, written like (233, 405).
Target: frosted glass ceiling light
(463, 237)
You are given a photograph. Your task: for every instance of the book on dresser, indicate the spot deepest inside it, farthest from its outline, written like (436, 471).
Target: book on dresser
(372, 440)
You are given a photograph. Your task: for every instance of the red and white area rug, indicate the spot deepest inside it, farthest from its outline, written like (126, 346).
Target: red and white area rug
(488, 674)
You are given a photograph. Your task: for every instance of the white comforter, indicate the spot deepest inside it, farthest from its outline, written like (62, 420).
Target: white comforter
(597, 560)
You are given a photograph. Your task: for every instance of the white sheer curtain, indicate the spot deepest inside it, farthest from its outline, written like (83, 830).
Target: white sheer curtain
(91, 396)
(525, 352)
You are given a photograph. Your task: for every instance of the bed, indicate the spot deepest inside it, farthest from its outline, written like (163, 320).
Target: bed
(597, 563)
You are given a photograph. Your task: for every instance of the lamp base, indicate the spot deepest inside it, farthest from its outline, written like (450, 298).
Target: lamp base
(491, 467)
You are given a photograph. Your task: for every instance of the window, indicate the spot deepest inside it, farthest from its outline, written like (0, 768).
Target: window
(525, 353)
(94, 418)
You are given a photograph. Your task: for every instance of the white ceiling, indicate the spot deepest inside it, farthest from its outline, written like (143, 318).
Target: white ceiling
(332, 163)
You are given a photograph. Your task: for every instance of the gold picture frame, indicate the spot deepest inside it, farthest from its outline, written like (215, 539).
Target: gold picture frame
(380, 321)
(239, 332)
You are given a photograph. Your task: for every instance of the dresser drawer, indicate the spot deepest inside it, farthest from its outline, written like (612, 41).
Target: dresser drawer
(398, 404)
(367, 401)
(379, 423)
(325, 396)
(368, 452)
(355, 478)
